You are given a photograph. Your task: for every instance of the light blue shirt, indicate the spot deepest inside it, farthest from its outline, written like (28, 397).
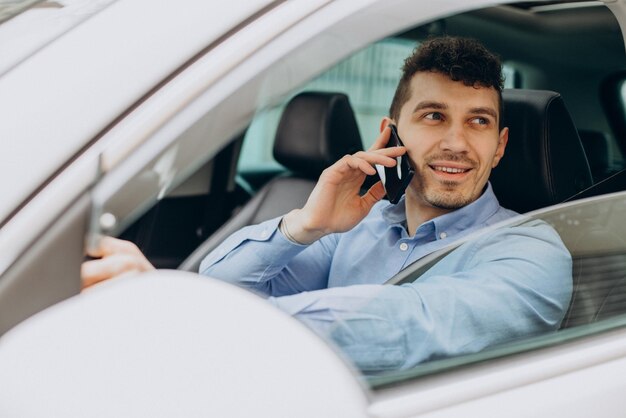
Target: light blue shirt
(509, 283)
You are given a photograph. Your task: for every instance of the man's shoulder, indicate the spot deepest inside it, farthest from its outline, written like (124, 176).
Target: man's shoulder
(531, 227)
(523, 238)
(533, 241)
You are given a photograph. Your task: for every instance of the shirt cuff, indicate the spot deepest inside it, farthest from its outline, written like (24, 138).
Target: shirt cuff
(279, 247)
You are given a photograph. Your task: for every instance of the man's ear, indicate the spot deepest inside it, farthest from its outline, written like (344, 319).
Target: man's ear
(502, 141)
(384, 122)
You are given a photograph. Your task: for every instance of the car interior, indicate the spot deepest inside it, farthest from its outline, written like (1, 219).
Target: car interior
(563, 105)
(565, 67)
(574, 49)
(315, 130)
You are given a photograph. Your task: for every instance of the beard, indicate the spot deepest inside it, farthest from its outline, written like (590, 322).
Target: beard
(449, 195)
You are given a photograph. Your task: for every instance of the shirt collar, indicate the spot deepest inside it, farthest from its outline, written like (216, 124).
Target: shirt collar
(449, 224)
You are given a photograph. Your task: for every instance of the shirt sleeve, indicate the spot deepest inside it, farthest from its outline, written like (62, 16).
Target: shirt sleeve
(261, 259)
(515, 283)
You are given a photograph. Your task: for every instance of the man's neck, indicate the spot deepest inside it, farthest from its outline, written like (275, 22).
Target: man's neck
(418, 212)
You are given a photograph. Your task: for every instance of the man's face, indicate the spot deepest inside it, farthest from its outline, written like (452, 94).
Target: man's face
(452, 138)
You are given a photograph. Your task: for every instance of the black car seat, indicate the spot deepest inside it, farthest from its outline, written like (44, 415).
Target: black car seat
(544, 162)
(598, 150)
(316, 129)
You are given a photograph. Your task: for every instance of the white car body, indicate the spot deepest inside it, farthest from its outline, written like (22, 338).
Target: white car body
(149, 73)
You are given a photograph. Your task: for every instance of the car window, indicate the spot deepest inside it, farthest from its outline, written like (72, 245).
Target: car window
(369, 78)
(589, 293)
(592, 232)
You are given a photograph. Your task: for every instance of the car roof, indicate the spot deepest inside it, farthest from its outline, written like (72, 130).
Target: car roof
(71, 87)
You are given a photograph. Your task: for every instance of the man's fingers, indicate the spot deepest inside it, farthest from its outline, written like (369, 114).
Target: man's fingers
(390, 152)
(348, 164)
(95, 271)
(386, 157)
(358, 163)
(374, 194)
(382, 139)
(364, 161)
(118, 257)
(109, 245)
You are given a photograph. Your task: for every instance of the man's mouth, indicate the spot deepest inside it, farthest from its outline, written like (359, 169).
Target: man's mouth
(450, 170)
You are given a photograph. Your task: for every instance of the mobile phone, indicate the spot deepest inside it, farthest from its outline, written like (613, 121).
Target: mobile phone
(396, 179)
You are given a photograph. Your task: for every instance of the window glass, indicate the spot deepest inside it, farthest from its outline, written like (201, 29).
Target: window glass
(590, 231)
(623, 93)
(369, 78)
(593, 232)
(511, 77)
(601, 145)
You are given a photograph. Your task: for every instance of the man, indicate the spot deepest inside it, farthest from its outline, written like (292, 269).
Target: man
(326, 262)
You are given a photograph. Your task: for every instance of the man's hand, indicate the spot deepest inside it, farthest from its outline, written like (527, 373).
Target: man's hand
(116, 257)
(335, 204)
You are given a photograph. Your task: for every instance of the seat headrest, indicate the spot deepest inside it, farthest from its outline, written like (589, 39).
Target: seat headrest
(315, 130)
(544, 162)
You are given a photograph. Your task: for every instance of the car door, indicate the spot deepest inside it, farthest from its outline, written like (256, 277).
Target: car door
(68, 127)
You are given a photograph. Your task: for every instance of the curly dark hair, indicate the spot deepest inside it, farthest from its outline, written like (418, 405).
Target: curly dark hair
(461, 59)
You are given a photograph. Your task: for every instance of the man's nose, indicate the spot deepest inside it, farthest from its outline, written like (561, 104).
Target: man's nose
(455, 139)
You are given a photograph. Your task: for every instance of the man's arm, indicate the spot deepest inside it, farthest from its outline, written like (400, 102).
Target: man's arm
(293, 254)
(514, 283)
(335, 205)
(263, 259)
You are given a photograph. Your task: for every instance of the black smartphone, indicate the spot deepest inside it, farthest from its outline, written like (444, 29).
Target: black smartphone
(396, 179)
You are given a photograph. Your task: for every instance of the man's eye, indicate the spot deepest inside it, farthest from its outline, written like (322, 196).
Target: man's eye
(434, 116)
(480, 121)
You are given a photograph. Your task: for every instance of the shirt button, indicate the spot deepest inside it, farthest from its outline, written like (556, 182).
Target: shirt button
(443, 235)
(264, 233)
(404, 246)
